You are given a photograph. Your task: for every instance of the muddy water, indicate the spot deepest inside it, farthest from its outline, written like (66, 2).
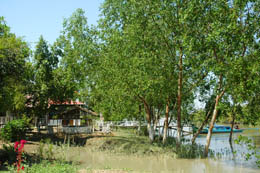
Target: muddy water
(222, 148)
(227, 162)
(156, 164)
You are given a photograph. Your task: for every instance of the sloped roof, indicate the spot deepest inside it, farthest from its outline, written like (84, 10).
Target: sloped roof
(82, 109)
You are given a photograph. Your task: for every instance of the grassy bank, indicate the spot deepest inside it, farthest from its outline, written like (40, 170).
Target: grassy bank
(49, 153)
(125, 141)
(45, 166)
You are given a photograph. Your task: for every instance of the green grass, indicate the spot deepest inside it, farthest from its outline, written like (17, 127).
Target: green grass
(127, 142)
(51, 157)
(46, 167)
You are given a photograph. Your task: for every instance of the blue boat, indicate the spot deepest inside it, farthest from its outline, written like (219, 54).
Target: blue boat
(220, 129)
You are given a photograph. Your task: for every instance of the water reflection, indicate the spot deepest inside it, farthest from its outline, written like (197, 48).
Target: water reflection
(227, 162)
(158, 164)
(223, 150)
(232, 155)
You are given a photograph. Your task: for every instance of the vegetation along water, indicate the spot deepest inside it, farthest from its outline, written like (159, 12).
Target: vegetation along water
(174, 69)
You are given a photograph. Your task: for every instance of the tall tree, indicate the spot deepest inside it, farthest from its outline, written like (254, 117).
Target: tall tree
(231, 38)
(44, 65)
(132, 57)
(77, 50)
(150, 42)
(13, 54)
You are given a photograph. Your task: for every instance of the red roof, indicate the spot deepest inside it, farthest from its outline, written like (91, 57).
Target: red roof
(51, 102)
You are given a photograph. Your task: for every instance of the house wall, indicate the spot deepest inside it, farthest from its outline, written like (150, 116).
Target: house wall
(69, 122)
(55, 122)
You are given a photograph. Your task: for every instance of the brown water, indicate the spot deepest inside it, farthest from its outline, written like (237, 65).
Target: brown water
(227, 162)
(156, 164)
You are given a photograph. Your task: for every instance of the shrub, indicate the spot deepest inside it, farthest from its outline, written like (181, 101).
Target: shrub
(7, 154)
(252, 150)
(15, 130)
(143, 131)
(46, 149)
(52, 167)
(47, 167)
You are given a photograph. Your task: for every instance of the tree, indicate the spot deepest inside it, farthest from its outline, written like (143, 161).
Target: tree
(131, 57)
(43, 87)
(76, 47)
(148, 52)
(231, 39)
(13, 54)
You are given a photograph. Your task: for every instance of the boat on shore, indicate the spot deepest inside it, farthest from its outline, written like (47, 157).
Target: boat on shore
(221, 129)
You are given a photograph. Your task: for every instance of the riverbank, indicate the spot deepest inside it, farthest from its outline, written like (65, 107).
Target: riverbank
(127, 142)
(125, 151)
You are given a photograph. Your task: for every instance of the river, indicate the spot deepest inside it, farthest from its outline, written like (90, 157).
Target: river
(226, 162)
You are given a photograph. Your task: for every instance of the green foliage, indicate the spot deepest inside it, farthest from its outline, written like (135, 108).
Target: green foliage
(46, 150)
(44, 63)
(132, 57)
(8, 154)
(198, 117)
(128, 143)
(190, 151)
(51, 80)
(50, 167)
(76, 47)
(253, 151)
(40, 150)
(47, 160)
(143, 131)
(13, 68)
(134, 66)
(15, 130)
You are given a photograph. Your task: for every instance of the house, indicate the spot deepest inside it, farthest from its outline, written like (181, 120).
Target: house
(70, 117)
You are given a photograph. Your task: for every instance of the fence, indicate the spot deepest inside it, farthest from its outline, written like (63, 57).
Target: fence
(77, 130)
(5, 119)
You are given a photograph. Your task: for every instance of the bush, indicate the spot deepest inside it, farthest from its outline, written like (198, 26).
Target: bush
(15, 130)
(143, 131)
(7, 155)
(47, 167)
(252, 150)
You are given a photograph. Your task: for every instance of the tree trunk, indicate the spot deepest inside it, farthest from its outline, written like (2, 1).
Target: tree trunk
(179, 99)
(171, 117)
(201, 127)
(232, 126)
(139, 127)
(47, 119)
(213, 119)
(139, 124)
(150, 126)
(157, 117)
(150, 131)
(165, 129)
(149, 120)
(231, 132)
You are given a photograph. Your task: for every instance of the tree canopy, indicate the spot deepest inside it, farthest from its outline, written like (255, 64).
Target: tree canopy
(145, 60)
(13, 69)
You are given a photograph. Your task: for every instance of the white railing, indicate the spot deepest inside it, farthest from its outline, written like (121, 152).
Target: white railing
(121, 123)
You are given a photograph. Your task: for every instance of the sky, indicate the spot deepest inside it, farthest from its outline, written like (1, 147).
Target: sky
(31, 18)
